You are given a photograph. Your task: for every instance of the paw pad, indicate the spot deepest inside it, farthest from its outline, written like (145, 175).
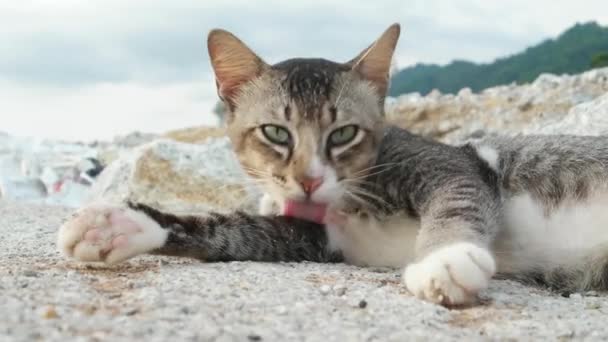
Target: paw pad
(109, 234)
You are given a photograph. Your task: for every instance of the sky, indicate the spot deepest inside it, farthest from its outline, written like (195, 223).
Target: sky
(89, 70)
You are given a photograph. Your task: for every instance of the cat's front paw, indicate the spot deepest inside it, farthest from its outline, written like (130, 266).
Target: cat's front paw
(452, 275)
(109, 234)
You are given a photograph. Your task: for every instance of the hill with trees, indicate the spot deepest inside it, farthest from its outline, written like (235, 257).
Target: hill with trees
(581, 47)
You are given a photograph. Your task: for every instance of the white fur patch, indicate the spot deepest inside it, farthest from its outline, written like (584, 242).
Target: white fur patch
(489, 154)
(451, 275)
(367, 242)
(267, 205)
(109, 234)
(316, 168)
(330, 191)
(532, 240)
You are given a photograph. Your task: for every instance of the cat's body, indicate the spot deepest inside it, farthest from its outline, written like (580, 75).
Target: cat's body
(549, 193)
(313, 133)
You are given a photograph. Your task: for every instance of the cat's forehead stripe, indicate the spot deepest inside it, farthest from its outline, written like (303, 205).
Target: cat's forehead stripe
(309, 82)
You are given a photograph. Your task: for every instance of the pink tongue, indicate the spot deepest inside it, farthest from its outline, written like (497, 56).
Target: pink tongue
(306, 210)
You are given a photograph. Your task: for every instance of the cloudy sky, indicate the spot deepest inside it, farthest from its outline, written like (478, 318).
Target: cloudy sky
(86, 70)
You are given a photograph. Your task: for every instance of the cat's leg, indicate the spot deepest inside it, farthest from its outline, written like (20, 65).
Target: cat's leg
(454, 260)
(115, 233)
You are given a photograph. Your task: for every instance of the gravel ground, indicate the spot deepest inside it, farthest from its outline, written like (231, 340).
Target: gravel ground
(44, 297)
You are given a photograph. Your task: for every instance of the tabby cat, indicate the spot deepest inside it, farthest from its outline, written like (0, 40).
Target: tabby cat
(342, 185)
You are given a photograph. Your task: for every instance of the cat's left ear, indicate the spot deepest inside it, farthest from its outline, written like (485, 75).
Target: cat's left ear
(374, 63)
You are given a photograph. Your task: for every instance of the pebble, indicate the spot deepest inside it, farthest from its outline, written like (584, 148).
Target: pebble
(49, 312)
(30, 273)
(325, 289)
(132, 312)
(281, 310)
(340, 290)
(566, 335)
(89, 310)
(362, 304)
(136, 284)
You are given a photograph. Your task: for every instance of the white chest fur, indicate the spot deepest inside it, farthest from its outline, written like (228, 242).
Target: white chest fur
(531, 239)
(528, 238)
(368, 242)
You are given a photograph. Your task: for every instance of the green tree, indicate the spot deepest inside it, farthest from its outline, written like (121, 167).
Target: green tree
(600, 60)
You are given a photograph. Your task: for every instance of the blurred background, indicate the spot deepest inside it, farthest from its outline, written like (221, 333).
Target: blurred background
(88, 70)
(84, 82)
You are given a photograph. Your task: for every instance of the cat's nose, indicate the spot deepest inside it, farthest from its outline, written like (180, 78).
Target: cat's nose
(310, 185)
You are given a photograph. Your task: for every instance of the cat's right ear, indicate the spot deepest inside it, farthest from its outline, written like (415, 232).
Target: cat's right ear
(374, 63)
(233, 63)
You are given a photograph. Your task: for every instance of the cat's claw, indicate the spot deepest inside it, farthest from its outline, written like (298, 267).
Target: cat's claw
(109, 234)
(452, 275)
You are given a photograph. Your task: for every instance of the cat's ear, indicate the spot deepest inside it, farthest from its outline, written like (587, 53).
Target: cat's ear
(374, 63)
(233, 63)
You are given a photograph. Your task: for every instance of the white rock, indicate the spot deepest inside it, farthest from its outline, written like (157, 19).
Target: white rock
(503, 109)
(434, 94)
(547, 81)
(590, 118)
(178, 177)
(134, 139)
(595, 76)
(22, 189)
(325, 289)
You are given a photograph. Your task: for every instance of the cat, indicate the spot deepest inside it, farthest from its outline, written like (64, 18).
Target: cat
(342, 185)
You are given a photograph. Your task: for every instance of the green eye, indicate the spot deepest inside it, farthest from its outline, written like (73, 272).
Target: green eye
(342, 136)
(276, 134)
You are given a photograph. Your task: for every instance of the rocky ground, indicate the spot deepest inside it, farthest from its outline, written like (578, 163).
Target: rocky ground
(46, 297)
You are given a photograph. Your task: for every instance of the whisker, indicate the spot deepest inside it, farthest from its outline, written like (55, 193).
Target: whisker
(358, 183)
(368, 175)
(355, 197)
(361, 192)
(388, 165)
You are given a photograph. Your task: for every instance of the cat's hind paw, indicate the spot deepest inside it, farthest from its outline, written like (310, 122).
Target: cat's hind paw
(109, 234)
(452, 275)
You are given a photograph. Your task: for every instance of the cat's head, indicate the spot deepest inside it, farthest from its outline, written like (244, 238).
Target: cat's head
(307, 129)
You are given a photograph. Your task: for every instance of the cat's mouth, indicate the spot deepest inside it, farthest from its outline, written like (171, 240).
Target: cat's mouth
(306, 210)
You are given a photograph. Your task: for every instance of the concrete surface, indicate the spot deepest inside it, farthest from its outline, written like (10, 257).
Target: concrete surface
(44, 297)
